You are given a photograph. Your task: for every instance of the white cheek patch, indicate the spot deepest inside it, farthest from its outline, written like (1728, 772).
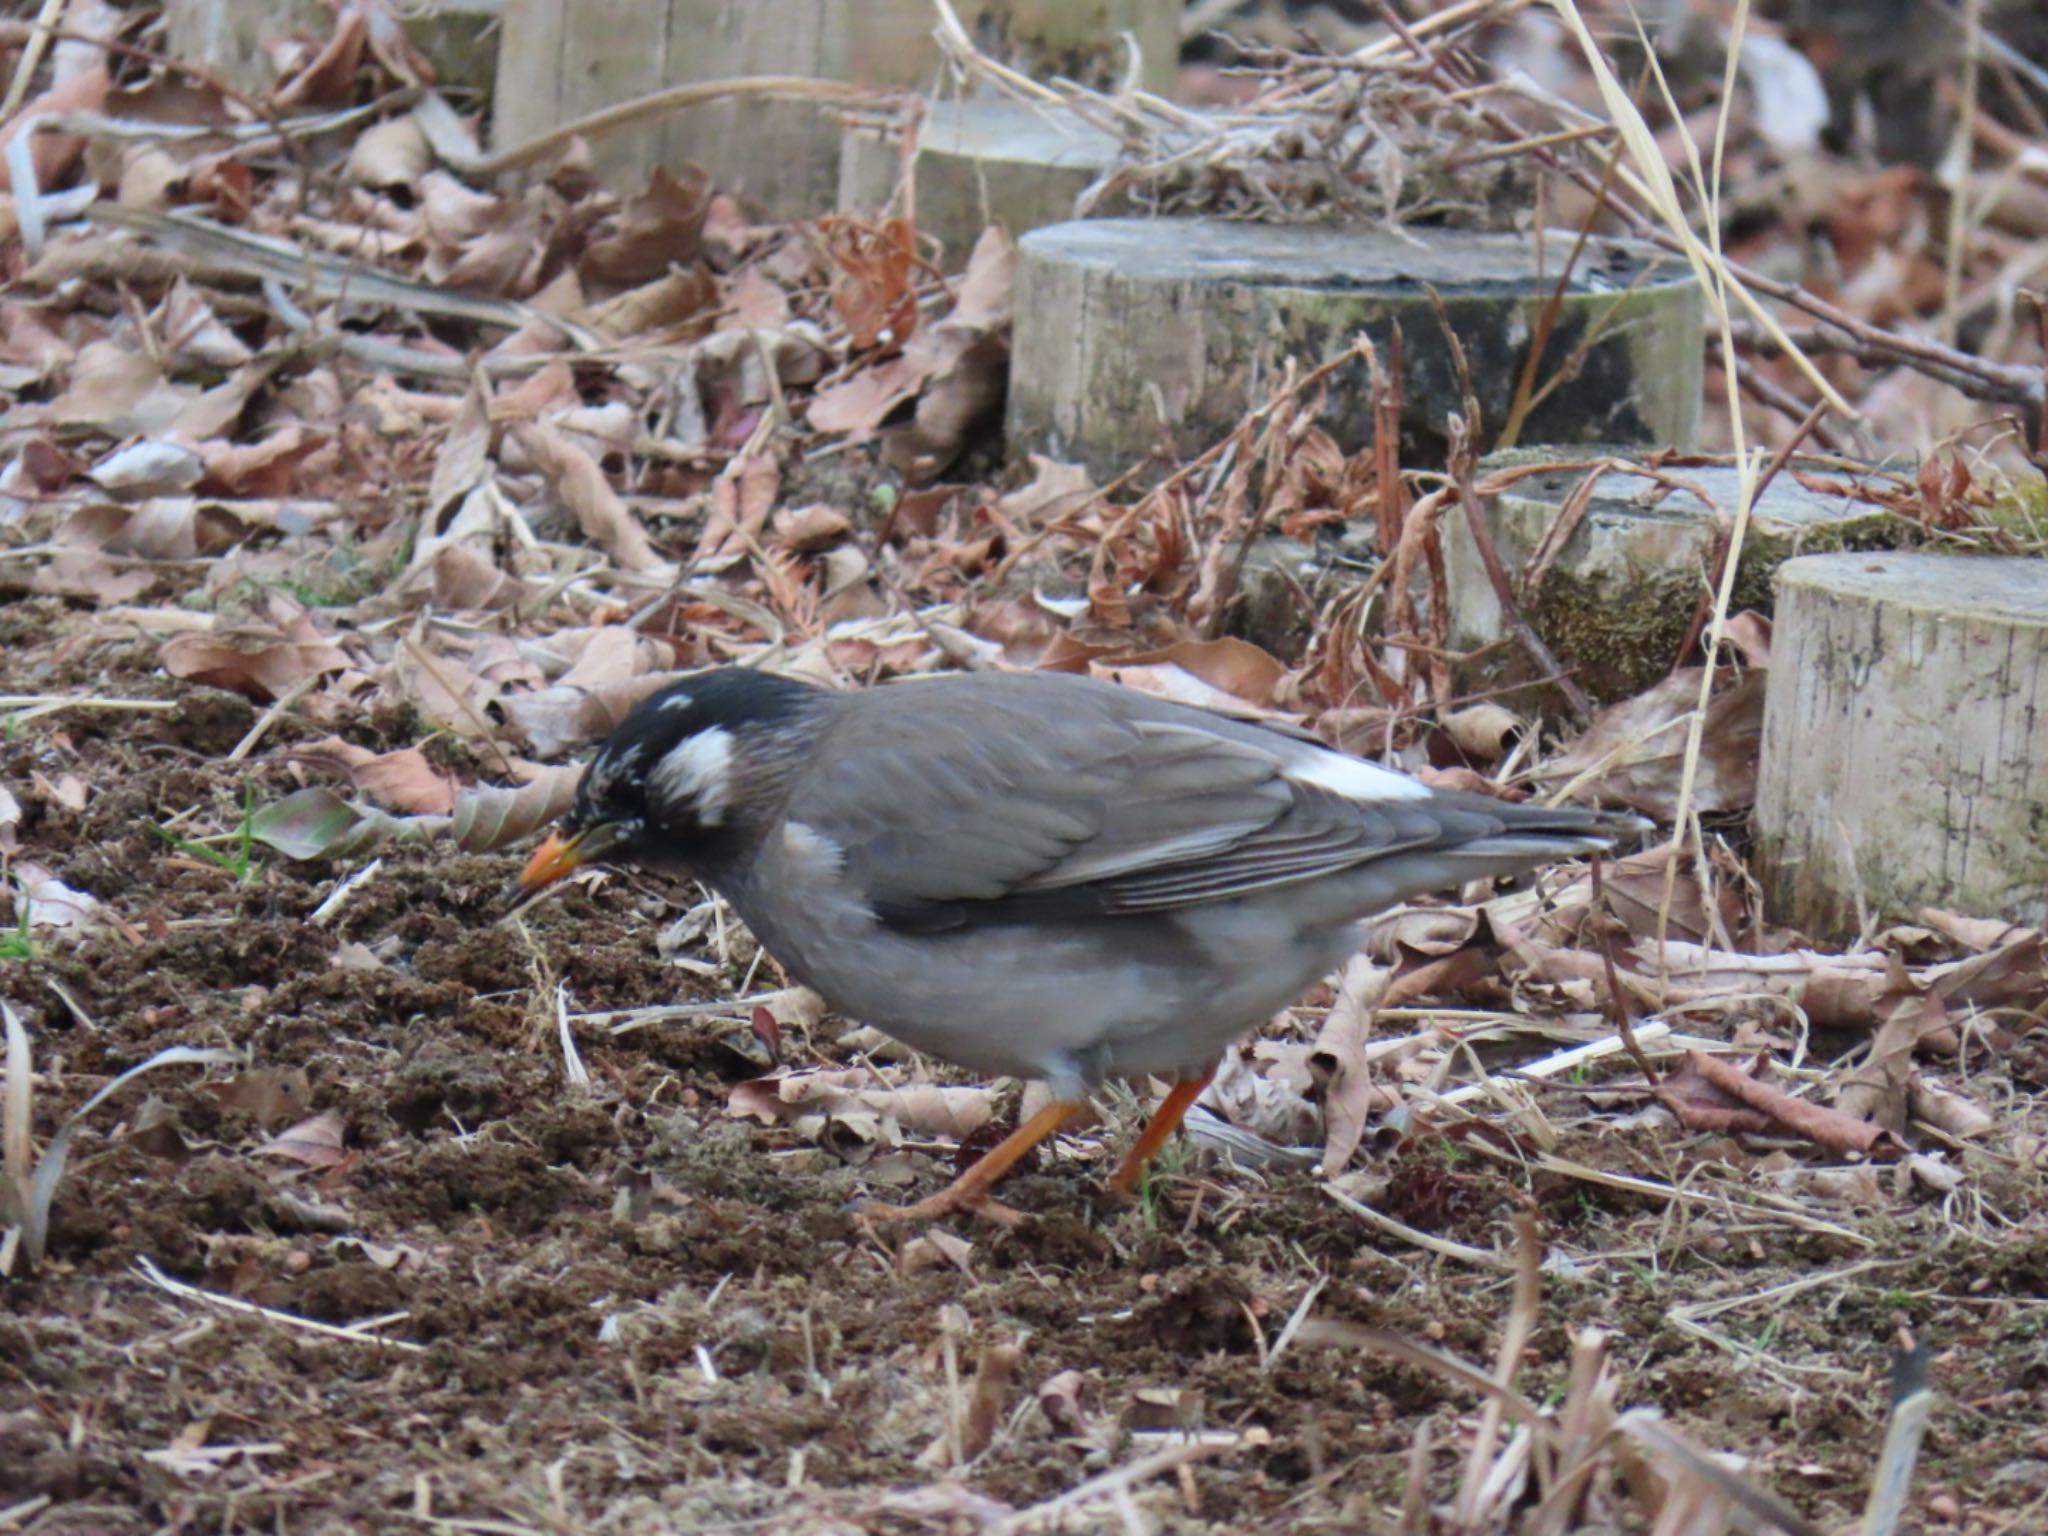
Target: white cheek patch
(695, 776)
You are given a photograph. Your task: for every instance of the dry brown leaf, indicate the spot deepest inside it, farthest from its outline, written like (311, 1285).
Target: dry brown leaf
(1949, 1113)
(855, 405)
(487, 817)
(270, 468)
(1748, 634)
(961, 394)
(1857, 1184)
(1264, 1090)
(148, 467)
(150, 176)
(248, 665)
(317, 1143)
(547, 391)
(53, 154)
(929, 1109)
(564, 717)
(608, 655)
(463, 578)
(442, 688)
(1228, 665)
(121, 391)
(1421, 931)
(958, 369)
(932, 1249)
(1701, 1104)
(392, 153)
(502, 662)
(669, 301)
(654, 231)
(987, 1399)
(53, 906)
(1339, 1061)
(1635, 750)
(161, 528)
(501, 261)
(67, 790)
(806, 529)
(741, 498)
(579, 482)
(1634, 890)
(1059, 1399)
(989, 282)
(461, 465)
(219, 411)
(1708, 1093)
(193, 335)
(1054, 490)
(874, 296)
(226, 183)
(1834, 991)
(1979, 933)
(403, 780)
(1484, 732)
(1170, 680)
(91, 576)
(2010, 976)
(266, 1094)
(756, 300)
(328, 74)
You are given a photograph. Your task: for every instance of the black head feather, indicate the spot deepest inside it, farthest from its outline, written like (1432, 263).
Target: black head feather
(673, 780)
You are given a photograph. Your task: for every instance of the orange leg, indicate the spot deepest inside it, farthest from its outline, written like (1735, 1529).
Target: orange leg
(1164, 1122)
(970, 1190)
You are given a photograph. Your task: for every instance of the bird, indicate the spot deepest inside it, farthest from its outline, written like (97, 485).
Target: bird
(1033, 874)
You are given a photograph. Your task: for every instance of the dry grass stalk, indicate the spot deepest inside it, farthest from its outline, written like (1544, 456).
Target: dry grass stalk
(30, 1186)
(354, 1333)
(1583, 1463)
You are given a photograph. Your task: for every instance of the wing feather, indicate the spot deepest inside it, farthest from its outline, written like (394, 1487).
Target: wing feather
(996, 797)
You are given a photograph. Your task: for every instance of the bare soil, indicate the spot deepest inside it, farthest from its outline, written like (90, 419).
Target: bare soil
(634, 1312)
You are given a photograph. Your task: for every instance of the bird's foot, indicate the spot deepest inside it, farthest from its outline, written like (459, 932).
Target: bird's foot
(969, 1192)
(947, 1202)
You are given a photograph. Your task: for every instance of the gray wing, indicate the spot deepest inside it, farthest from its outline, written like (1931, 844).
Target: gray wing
(994, 798)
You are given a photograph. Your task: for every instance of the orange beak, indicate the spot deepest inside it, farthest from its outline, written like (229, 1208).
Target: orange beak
(554, 860)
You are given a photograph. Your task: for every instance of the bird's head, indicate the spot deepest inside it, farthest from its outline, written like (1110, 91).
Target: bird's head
(678, 784)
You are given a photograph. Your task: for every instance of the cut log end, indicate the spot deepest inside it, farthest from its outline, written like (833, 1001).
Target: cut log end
(233, 38)
(1139, 336)
(1905, 747)
(1615, 599)
(980, 163)
(781, 158)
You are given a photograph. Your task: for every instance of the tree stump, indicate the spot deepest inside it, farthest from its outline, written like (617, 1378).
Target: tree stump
(1905, 745)
(1619, 595)
(558, 62)
(1150, 334)
(979, 163)
(232, 37)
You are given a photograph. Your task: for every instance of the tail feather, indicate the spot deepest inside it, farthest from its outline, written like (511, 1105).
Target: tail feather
(1523, 836)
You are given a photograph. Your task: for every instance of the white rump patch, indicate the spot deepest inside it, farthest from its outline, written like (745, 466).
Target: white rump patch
(696, 776)
(1351, 777)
